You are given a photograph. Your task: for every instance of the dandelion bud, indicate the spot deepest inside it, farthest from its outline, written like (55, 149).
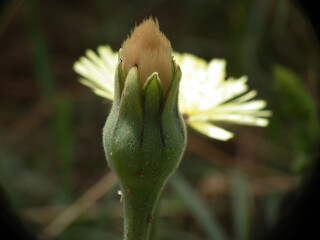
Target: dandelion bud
(144, 136)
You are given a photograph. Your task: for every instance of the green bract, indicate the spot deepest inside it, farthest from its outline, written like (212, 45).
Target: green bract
(144, 139)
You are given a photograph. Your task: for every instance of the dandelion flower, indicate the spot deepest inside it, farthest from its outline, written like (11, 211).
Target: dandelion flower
(206, 96)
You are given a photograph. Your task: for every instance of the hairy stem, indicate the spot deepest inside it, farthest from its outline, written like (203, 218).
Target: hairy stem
(139, 208)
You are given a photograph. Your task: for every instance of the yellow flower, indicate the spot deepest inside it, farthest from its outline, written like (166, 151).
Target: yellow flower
(206, 96)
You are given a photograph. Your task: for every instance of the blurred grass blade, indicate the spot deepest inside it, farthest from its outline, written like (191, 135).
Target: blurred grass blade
(241, 207)
(59, 105)
(65, 145)
(104, 218)
(198, 208)
(271, 205)
(74, 211)
(8, 10)
(40, 53)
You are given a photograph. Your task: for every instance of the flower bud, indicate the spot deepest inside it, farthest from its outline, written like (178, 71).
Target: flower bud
(144, 136)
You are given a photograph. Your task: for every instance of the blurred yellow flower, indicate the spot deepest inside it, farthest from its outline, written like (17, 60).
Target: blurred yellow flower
(211, 99)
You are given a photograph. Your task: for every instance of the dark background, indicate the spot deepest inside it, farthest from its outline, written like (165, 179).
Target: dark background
(50, 125)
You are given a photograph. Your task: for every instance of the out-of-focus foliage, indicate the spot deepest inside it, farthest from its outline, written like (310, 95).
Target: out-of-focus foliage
(295, 125)
(51, 155)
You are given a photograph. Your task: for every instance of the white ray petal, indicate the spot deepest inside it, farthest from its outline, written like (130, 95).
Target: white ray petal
(247, 106)
(103, 92)
(98, 70)
(240, 119)
(246, 97)
(216, 70)
(211, 130)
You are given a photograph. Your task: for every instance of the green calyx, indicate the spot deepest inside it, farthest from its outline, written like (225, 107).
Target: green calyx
(144, 139)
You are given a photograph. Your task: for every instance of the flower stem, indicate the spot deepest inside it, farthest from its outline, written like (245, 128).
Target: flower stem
(139, 208)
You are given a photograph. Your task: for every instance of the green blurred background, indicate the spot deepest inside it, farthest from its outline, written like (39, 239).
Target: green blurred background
(52, 164)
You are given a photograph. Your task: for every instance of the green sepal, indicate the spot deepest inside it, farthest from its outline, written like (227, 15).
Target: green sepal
(109, 127)
(118, 83)
(151, 126)
(148, 81)
(130, 110)
(171, 119)
(124, 122)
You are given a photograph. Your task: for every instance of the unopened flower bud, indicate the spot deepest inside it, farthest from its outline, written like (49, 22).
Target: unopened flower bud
(144, 136)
